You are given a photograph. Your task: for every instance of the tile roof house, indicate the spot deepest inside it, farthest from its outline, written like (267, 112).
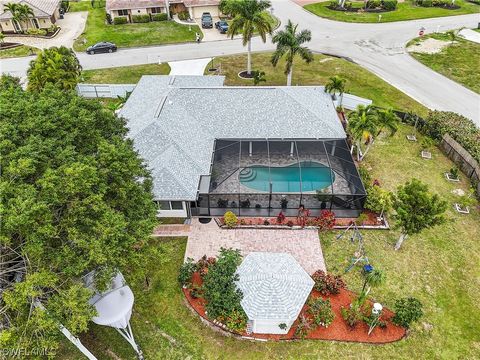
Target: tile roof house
(188, 127)
(46, 13)
(275, 288)
(129, 8)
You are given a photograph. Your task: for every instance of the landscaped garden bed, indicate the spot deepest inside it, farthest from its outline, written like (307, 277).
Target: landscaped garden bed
(331, 312)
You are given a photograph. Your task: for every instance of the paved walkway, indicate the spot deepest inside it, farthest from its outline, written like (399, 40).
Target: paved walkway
(172, 230)
(470, 35)
(188, 67)
(303, 245)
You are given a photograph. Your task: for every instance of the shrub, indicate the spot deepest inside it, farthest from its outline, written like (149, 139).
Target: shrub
(354, 313)
(454, 172)
(266, 222)
(407, 310)
(379, 200)
(184, 15)
(196, 292)
(361, 219)
(220, 290)
(41, 32)
(390, 5)
(52, 29)
(289, 223)
(160, 17)
(245, 203)
(365, 176)
(373, 4)
(145, 18)
(326, 220)
(258, 206)
(280, 218)
(327, 284)
(119, 20)
(321, 312)
(303, 326)
(230, 219)
(186, 272)
(108, 17)
(203, 264)
(236, 320)
(463, 130)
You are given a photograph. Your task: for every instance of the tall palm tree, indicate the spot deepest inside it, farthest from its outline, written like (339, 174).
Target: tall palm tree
(14, 9)
(289, 43)
(336, 84)
(25, 12)
(373, 279)
(387, 120)
(363, 125)
(250, 16)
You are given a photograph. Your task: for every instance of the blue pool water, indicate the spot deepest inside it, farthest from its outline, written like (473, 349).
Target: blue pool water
(315, 176)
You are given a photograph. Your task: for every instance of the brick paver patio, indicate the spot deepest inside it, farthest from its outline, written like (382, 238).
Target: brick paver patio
(304, 245)
(172, 230)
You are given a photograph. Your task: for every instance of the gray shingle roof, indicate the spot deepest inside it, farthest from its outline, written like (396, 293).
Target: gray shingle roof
(174, 121)
(274, 286)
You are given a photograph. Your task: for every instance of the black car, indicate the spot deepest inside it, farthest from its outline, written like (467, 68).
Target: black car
(207, 21)
(102, 47)
(222, 26)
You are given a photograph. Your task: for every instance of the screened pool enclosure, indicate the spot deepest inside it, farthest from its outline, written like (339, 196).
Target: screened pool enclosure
(264, 177)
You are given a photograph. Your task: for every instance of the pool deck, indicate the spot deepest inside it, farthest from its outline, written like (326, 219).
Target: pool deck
(302, 244)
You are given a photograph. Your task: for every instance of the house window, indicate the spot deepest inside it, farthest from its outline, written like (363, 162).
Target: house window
(123, 12)
(156, 10)
(163, 205)
(176, 205)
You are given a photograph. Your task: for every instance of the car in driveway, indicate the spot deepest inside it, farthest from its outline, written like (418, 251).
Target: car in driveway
(222, 26)
(102, 47)
(207, 21)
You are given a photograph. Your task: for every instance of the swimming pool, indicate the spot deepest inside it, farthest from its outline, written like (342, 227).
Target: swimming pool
(314, 176)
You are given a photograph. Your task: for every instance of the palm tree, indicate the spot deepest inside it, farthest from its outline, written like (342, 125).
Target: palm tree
(250, 16)
(289, 43)
(25, 13)
(363, 125)
(14, 10)
(373, 279)
(387, 120)
(334, 85)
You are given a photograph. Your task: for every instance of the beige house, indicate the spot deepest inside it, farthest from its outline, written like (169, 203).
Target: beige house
(128, 8)
(46, 13)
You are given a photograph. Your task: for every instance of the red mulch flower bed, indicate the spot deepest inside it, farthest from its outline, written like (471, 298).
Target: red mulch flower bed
(338, 330)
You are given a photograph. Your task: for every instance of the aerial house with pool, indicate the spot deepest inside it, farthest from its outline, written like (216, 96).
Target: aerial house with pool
(255, 151)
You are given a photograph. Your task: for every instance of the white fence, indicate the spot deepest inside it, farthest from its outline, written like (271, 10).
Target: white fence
(104, 90)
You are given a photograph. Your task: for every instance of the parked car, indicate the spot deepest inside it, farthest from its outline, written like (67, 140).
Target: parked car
(101, 47)
(222, 26)
(207, 21)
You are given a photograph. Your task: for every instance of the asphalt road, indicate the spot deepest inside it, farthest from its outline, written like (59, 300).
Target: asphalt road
(378, 47)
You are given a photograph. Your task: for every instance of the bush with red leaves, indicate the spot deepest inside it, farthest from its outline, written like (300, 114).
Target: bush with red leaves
(203, 264)
(280, 218)
(328, 284)
(326, 220)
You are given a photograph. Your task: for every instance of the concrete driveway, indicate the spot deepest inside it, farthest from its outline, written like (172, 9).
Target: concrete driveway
(72, 25)
(211, 34)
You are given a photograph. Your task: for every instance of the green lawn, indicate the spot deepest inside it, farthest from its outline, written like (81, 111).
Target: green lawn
(129, 35)
(360, 81)
(439, 266)
(459, 61)
(404, 11)
(19, 51)
(124, 74)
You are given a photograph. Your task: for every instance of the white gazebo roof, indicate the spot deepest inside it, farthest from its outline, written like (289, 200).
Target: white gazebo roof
(274, 286)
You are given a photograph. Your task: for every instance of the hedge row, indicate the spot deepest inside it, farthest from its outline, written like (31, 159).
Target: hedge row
(460, 128)
(379, 4)
(144, 18)
(436, 3)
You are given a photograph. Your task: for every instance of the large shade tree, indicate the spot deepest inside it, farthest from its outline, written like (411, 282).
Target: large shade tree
(289, 45)
(416, 209)
(75, 198)
(249, 17)
(57, 66)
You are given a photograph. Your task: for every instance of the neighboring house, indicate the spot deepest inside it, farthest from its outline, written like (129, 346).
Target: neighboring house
(128, 8)
(46, 13)
(253, 150)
